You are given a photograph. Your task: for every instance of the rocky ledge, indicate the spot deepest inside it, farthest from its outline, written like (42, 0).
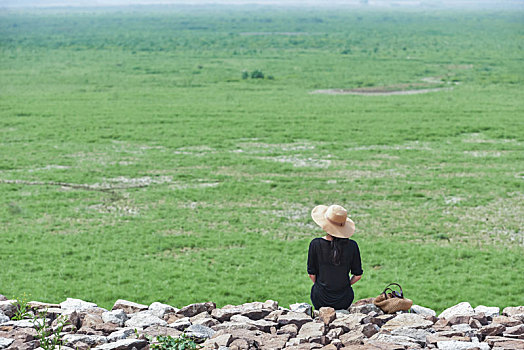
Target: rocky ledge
(261, 325)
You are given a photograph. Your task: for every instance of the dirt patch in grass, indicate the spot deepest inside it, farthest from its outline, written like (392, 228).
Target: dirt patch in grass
(378, 91)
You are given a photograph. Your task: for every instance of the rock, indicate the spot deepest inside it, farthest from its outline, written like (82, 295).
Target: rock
(160, 310)
(155, 331)
(462, 328)
(481, 317)
(458, 319)
(506, 321)
(2, 297)
(407, 321)
(239, 344)
(513, 310)
(77, 305)
(208, 322)
(117, 317)
(329, 347)
(194, 309)
(460, 345)
(73, 339)
(297, 318)
(129, 307)
(92, 321)
(334, 333)
(180, 324)
(274, 315)
(5, 342)
(424, 311)
(492, 329)
(365, 309)
(230, 326)
(273, 342)
(473, 323)
(3, 318)
(505, 343)
(489, 311)
(436, 337)
(347, 322)
(463, 308)
(20, 345)
(392, 339)
(352, 338)
(442, 325)
(290, 329)
(8, 307)
(218, 341)
(311, 331)
(123, 344)
(263, 325)
(515, 330)
(144, 319)
(199, 332)
(123, 333)
(21, 323)
(327, 315)
(302, 307)
(368, 329)
(417, 335)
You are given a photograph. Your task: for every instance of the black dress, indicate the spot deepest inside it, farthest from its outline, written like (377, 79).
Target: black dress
(332, 287)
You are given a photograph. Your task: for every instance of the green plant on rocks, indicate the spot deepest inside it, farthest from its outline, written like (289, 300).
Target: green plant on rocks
(22, 308)
(48, 337)
(183, 342)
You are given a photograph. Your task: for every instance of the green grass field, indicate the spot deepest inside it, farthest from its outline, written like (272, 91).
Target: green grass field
(137, 163)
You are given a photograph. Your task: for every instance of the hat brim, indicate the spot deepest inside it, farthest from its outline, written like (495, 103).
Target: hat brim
(318, 215)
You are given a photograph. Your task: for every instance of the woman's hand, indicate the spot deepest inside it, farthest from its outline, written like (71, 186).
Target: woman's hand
(313, 278)
(354, 279)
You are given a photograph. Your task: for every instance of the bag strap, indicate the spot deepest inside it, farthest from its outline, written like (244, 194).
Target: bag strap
(393, 291)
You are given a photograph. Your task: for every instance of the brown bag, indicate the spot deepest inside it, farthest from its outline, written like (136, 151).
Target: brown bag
(391, 301)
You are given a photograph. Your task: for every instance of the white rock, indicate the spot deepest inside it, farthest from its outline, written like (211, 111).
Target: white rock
(513, 310)
(24, 323)
(489, 311)
(462, 327)
(400, 340)
(118, 317)
(418, 335)
(180, 324)
(8, 307)
(123, 333)
(144, 319)
(302, 307)
(421, 310)
(461, 309)
(159, 309)
(461, 345)
(129, 307)
(72, 339)
(123, 344)
(5, 342)
(3, 318)
(407, 321)
(77, 304)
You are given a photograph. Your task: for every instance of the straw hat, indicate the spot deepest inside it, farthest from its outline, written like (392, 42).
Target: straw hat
(334, 220)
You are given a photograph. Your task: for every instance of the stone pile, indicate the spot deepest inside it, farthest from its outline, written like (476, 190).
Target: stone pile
(265, 325)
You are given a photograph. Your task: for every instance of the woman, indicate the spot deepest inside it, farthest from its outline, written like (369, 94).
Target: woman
(332, 258)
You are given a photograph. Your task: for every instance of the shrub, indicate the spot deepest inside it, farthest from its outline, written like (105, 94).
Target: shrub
(257, 74)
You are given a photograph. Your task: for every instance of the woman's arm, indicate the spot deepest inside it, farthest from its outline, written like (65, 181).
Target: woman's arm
(313, 278)
(354, 279)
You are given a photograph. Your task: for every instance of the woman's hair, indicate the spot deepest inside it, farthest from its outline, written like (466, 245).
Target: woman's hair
(336, 250)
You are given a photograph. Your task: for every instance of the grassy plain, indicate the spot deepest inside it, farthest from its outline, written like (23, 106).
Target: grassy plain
(215, 175)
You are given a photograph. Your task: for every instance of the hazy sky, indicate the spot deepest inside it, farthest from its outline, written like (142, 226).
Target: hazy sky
(387, 3)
